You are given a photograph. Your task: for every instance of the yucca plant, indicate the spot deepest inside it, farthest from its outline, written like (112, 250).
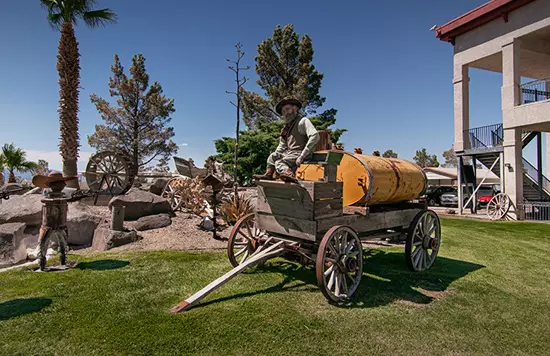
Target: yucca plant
(234, 207)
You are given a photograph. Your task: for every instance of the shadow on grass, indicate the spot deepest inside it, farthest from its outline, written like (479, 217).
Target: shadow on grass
(18, 307)
(386, 279)
(102, 265)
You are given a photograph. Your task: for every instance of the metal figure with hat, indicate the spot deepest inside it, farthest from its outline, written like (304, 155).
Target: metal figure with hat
(54, 214)
(297, 141)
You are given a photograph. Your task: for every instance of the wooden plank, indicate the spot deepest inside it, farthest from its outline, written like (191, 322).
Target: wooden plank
(327, 190)
(330, 173)
(359, 210)
(328, 208)
(298, 228)
(286, 191)
(285, 207)
(372, 222)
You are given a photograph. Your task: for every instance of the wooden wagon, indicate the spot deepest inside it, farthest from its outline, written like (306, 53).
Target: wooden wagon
(308, 220)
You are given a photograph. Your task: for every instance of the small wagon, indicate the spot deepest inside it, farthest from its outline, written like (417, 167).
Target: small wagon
(308, 220)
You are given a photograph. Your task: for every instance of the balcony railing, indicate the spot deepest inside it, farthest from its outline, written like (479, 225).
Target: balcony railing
(535, 91)
(486, 136)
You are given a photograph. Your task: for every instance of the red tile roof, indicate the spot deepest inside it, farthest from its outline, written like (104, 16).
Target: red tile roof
(478, 17)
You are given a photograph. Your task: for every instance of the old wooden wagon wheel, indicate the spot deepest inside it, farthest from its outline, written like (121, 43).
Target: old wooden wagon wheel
(423, 241)
(499, 206)
(108, 172)
(244, 239)
(173, 193)
(339, 263)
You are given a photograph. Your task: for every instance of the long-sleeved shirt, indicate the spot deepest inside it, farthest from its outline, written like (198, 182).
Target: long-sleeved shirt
(305, 128)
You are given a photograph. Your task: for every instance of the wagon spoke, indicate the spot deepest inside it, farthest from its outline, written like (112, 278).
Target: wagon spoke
(333, 250)
(350, 245)
(329, 270)
(241, 251)
(353, 254)
(350, 277)
(417, 243)
(337, 289)
(245, 256)
(344, 284)
(331, 280)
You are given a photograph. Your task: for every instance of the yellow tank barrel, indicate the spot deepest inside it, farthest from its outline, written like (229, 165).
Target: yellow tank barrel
(370, 180)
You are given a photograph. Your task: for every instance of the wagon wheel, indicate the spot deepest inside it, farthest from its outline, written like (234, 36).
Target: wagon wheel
(244, 239)
(173, 193)
(423, 241)
(339, 263)
(498, 207)
(107, 172)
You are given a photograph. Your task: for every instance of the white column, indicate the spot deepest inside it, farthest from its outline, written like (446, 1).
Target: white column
(513, 165)
(547, 154)
(461, 106)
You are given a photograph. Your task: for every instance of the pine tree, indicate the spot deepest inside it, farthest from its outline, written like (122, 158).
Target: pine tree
(389, 154)
(284, 66)
(424, 159)
(137, 128)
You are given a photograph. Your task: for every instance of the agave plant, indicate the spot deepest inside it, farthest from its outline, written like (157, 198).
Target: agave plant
(234, 207)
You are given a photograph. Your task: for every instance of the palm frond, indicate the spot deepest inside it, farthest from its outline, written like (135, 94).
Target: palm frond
(96, 18)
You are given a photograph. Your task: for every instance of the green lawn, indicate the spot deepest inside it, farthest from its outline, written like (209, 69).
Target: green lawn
(488, 293)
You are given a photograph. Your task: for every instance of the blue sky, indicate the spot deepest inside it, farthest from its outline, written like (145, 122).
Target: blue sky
(385, 72)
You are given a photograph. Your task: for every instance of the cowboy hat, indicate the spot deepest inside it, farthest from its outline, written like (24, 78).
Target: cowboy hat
(54, 176)
(287, 100)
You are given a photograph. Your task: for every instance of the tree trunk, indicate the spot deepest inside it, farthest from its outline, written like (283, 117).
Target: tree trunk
(68, 68)
(1, 179)
(11, 178)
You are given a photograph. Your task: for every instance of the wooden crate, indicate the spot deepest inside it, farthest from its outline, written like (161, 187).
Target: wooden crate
(295, 209)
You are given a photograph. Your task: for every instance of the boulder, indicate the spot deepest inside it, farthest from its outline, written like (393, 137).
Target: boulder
(158, 186)
(106, 239)
(153, 222)
(81, 222)
(12, 249)
(26, 209)
(139, 203)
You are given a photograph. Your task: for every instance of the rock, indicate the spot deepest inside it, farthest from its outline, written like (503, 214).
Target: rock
(81, 222)
(158, 186)
(152, 222)
(12, 188)
(12, 249)
(207, 224)
(106, 239)
(26, 209)
(140, 203)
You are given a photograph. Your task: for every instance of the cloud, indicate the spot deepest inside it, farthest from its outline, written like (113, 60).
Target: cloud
(54, 158)
(183, 144)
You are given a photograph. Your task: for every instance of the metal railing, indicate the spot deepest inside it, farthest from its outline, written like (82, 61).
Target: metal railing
(536, 210)
(486, 136)
(534, 91)
(533, 173)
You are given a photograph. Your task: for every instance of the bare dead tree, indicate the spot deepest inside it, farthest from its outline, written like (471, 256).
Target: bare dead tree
(235, 67)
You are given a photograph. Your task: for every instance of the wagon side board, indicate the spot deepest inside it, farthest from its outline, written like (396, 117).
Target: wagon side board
(314, 230)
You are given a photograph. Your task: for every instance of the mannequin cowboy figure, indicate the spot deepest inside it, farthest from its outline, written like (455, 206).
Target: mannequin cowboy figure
(297, 141)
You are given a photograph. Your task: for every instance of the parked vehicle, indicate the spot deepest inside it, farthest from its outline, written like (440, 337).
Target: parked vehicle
(433, 195)
(484, 195)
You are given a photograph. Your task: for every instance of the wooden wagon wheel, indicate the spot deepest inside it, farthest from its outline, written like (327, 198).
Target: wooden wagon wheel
(244, 239)
(173, 193)
(339, 265)
(108, 172)
(423, 241)
(499, 206)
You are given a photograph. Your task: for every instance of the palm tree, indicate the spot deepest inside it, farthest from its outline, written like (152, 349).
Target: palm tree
(14, 158)
(62, 15)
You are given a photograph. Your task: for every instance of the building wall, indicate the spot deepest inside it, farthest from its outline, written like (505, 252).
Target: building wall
(491, 37)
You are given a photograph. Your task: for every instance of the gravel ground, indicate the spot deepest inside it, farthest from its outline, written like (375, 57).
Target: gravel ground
(182, 234)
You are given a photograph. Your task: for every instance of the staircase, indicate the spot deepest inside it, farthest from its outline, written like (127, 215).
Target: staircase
(486, 143)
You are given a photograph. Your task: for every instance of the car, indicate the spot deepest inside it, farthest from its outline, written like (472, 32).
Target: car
(484, 195)
(451, 199)
(433, 195)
